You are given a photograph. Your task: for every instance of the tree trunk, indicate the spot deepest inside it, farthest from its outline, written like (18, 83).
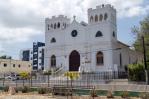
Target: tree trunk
(23, 82)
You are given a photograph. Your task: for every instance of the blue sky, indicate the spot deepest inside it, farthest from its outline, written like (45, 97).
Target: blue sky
(124, 26)
(22, 21)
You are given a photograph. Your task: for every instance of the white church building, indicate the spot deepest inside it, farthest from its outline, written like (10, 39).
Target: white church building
(88, 47)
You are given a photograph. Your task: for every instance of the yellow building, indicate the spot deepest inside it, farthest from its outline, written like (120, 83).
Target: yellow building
(14, 66)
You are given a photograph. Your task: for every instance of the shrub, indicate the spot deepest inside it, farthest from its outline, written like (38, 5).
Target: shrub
(25, 89)
(42, 90)
(47, 72)
(6, 88)
(110, 95)
(124, 94)
(144, 95)
(17, 89)
(136, 72)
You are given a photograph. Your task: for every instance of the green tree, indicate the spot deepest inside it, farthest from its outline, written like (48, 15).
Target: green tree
(136, 72)
(5, 57)
(24, 75)
(142, 30)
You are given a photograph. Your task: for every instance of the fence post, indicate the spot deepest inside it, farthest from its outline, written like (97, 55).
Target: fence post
(16, 82)
(48, 80)
(4, 80)
(31, 80)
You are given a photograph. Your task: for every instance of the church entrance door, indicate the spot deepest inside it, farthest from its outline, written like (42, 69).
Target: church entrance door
(74, 61)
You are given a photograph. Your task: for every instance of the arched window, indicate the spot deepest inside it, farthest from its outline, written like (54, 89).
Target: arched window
(113, 34)
(55, 26)
(58, 25)
(91, 19)
(98, 34)
(96, 18)
(105, 16)
(100, 17)
(53, 40)
(53, 61)
(48, 27)
(99, 58)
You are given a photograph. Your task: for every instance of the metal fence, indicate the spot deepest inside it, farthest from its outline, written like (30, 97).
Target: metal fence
(84, 79)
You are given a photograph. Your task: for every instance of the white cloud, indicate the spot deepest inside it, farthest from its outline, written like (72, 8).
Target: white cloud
(136, 11)
(14, 35)
(31, 13)
(22, 20)
(125, 8)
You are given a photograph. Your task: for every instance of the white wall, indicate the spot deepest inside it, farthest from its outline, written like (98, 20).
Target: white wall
(85, 41)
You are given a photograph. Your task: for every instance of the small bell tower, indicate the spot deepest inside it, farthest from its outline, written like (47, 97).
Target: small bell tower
(104, 16)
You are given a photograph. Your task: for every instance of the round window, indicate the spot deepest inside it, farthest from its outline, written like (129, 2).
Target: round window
(74, 33)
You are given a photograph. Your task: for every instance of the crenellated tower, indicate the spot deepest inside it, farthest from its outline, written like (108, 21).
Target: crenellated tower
(104, 16)
(56, 23)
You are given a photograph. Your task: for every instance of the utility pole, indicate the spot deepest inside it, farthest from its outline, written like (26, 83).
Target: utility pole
(145, 64)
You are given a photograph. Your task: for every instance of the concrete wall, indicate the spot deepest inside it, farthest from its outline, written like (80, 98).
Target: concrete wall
(13, 66)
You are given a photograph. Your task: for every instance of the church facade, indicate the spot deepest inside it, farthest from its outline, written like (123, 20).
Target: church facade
(89, 47)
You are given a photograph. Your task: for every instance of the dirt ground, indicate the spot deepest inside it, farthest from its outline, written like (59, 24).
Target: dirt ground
(101, 97)
(55, 97)
(47, 96)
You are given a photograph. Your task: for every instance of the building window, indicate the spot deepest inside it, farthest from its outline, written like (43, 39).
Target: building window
(98, 34)
(53, 61)
(40, 57)
(25, 55)
(58, 25)
(105, 16)
(19, 65)
(120, 59)
(13, 65)
(99, 58)
(55, 26)
(100, 17)
(5, 65)
(53, 40)
(113, 34)
(74, 33)
(96, 18)
(48, 27)
(91, 19)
